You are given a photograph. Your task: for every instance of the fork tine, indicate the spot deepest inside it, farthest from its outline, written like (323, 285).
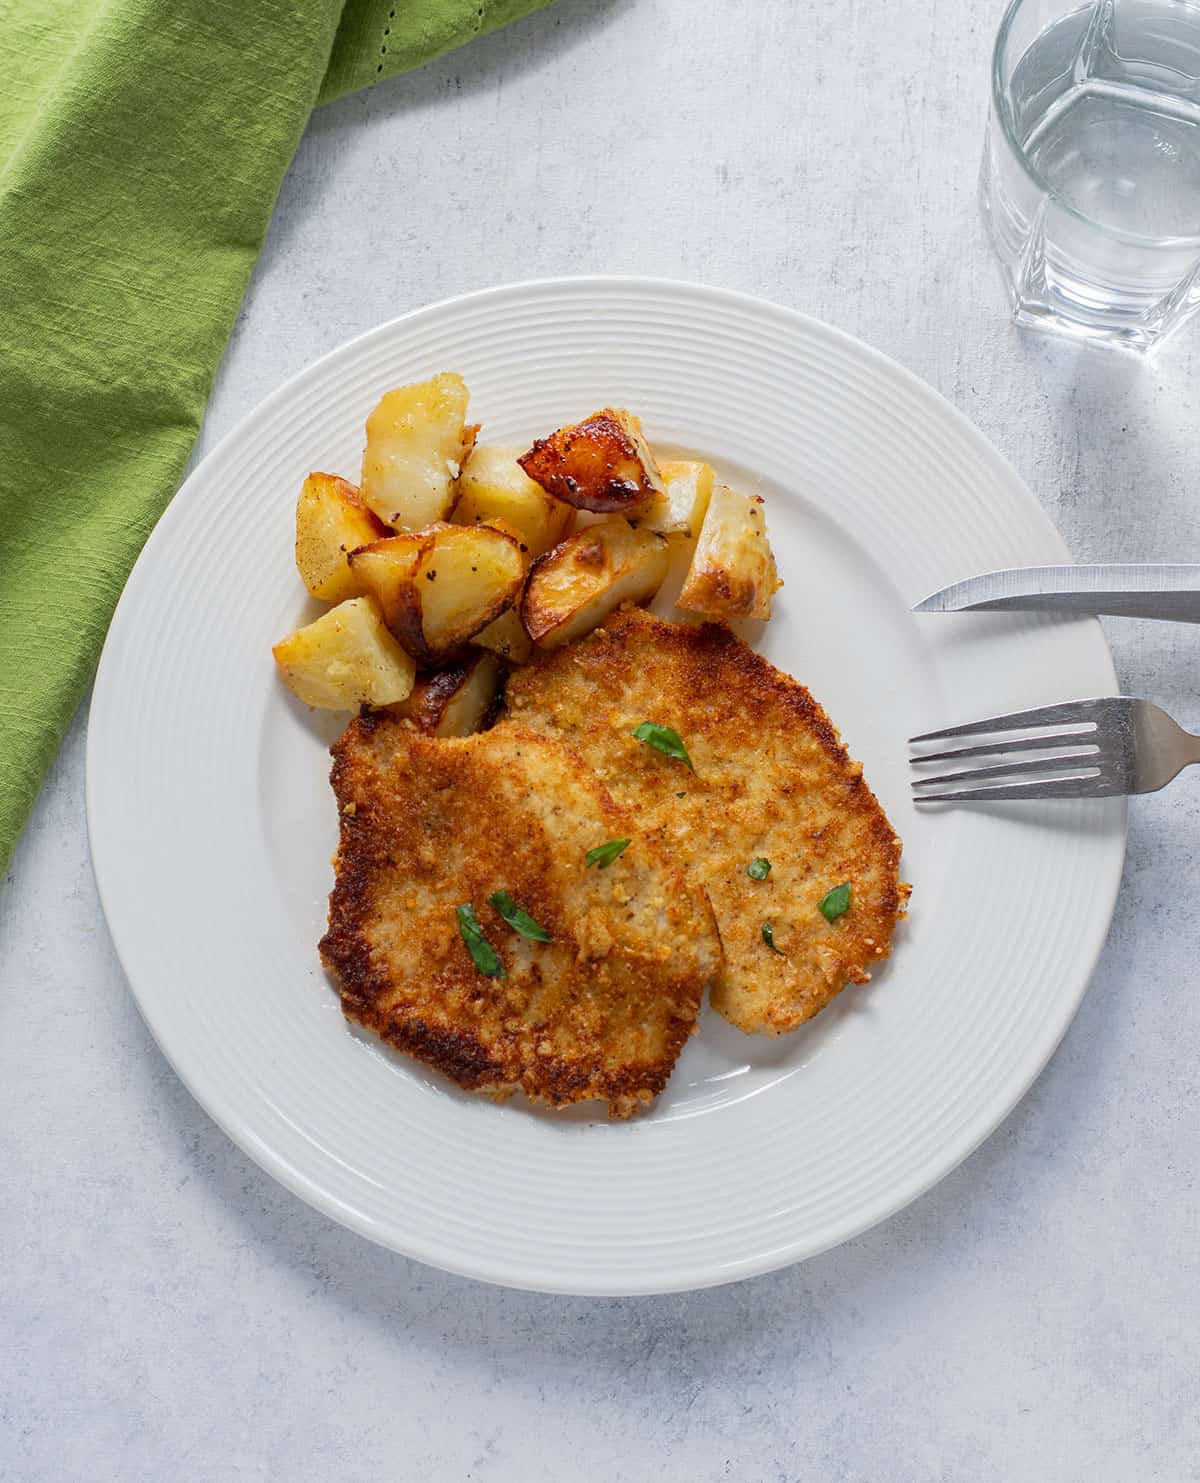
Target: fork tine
(1084, 740)
(1079, 766)
(1075, 712)
(1090, 787)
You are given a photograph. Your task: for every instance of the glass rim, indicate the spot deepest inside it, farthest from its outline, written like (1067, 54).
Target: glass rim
(1003, 112)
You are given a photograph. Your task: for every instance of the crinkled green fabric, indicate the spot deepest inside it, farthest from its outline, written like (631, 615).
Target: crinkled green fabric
(142, 144)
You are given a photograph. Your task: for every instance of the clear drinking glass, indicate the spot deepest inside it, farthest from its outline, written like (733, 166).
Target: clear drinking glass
(1091, 169)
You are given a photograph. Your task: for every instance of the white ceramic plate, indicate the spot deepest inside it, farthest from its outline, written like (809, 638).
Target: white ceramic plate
(212, 823)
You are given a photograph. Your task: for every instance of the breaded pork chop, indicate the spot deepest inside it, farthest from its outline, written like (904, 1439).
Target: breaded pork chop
(772, 781)
(428, 824)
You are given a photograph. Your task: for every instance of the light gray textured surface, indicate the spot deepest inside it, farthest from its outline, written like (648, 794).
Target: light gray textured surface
(167, 1312)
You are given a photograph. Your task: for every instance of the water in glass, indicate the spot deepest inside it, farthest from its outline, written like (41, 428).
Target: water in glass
(1092, 168)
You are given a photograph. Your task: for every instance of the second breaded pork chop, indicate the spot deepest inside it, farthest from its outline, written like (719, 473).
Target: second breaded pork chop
(772, 781)
(427, 824)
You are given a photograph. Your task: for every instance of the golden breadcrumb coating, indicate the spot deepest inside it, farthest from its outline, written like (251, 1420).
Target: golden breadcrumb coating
(772, 781)
(427, 824)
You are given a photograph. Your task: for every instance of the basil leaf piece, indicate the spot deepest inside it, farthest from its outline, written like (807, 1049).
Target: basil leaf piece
(768, 933)
(483, 954)
(835, 902)
(520, 921)
(605, 854)
(759, 869)
(663, 739)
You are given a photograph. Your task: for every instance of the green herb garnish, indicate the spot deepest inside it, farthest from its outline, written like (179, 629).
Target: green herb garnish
(663, 739)
(605, 854)
(835, 902)
(759, 869)
(769, 938)
(483, 954)
(520, 921)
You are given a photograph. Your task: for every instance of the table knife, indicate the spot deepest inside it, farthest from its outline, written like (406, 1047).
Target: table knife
(1121, 590)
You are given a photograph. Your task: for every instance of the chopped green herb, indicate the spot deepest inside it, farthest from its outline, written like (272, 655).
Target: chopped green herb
(835, 902)
(605, 854)
(517, 919)
(663, 739)
(483, 954)
(682, 795)
(759, 869)
(769, 938)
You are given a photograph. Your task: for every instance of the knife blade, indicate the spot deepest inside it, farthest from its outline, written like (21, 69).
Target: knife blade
(1128, 590)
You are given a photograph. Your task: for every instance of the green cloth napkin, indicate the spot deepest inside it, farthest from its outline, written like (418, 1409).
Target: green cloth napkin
(142, 144)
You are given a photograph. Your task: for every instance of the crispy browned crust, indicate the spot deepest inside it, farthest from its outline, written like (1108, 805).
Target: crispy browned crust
(772, 779)
(587, 575)
(398, 569)
(434, 692)
(431, 694)
(426, 824)
(594, 465)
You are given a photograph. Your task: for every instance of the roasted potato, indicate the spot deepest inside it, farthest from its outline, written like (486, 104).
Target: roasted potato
(506, 636)
(602, 464)
(438, 587)
(456, 701)
(680, 509)
(331, 520)
(417, 439)
(493, 486)
(345, 659)
(574, 587)
(732, 574)
(386, 569)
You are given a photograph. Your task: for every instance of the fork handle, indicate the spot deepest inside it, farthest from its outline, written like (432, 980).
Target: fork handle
(1164, 748)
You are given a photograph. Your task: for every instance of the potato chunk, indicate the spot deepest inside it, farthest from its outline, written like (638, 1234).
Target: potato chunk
(386, 569)
(416, 442)
(602, 463)
(733, 571)
(506, 636)
(331, 520)
(455, 701)
(495, 487)
(438, 587)
(345, 659)
(680, 509)
(574, 587)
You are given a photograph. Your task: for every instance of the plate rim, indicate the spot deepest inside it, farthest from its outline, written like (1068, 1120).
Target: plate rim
(212, 1101)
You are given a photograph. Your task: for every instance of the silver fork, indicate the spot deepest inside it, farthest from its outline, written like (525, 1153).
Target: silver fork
(1099, 749)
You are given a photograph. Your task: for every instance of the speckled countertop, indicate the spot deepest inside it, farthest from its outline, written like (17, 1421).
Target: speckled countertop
(167, 1312)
